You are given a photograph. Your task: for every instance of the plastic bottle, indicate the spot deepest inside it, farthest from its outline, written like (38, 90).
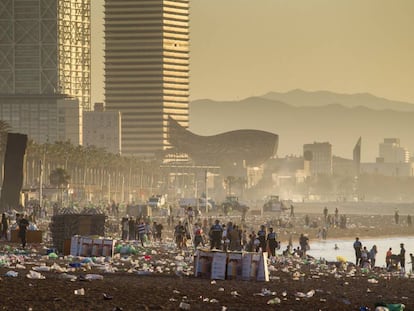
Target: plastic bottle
(274, 301)
(184, 306)
(80, 292)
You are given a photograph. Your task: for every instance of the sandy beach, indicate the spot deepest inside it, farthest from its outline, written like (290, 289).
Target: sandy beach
(295, 283)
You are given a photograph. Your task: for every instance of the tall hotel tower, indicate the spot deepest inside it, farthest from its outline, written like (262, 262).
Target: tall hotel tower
(45, 50)
(147, 69)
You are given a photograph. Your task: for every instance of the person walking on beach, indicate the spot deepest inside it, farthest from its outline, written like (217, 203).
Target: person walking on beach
(198, 236)
(336, 218)
(4, 226)
(372, 255)
(304, 244)
(402, 258)
(307, 220)
(23, 224)
(216, 232)
(272, 242)
(364, 263)
(141, 232)
(396, 217)
(179, 234)
(357, 248)
(388, 258)
(325, 213)
(261, 235)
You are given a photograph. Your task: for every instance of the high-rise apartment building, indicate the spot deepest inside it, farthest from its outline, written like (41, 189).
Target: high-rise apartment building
(147, 69)
(320, 157)
(390, 151)
(45, 49)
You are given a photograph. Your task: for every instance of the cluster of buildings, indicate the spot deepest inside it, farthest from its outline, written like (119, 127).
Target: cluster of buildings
(318, 159)
(45, 91)
(45, 72)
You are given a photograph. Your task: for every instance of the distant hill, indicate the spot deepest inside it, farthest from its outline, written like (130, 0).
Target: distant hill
(301, 98)
(295, 125)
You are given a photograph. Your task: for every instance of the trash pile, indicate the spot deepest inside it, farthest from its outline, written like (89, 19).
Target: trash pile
(163, 258)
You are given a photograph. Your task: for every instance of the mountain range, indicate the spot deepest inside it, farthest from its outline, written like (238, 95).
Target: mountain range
(301, 117)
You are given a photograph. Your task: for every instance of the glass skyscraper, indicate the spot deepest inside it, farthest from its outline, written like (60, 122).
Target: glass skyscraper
(45, 49)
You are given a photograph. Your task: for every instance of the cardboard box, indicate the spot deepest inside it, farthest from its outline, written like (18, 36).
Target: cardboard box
(203, 264)
(108, 247)
(67, 243)
(97, 247)
(246, 265)
(254, 267)
(263, 271)
(75, 245)
(32, 236)
(86, 247)
(234, 266)
(218, 267)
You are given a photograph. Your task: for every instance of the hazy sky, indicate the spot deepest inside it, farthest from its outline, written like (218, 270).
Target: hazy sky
(241, 48)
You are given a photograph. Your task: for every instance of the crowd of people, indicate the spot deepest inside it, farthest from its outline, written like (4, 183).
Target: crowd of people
(230, 236)
(188, 228)
(142, 229)
(20, 223)
(365, 258)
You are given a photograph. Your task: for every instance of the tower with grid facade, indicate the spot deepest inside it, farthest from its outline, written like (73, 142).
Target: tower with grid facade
(45, 49)
(147, 69)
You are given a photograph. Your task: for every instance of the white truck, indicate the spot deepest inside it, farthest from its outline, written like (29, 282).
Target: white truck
(157, 201)
(194, 203)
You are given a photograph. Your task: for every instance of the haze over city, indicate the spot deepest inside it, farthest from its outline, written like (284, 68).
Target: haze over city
(206, 154)
(242, 48)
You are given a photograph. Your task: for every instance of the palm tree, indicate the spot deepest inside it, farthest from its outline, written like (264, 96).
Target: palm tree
(59, 178)
(229, 180)
(4, 130)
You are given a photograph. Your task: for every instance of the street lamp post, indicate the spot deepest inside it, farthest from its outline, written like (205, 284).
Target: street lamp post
(41, 184)
(206, 191)
(196, 194)
(109, 187)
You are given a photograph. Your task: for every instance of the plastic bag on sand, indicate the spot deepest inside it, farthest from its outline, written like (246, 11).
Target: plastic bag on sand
(307, 295)
(11, 273)
(41, 268)
(274, 301)
(57, 268)
(341, 259)
(184, 306)
(265, 292)
(69, 277)
(93, 277)
(390, 307)
(35, 275)
(53, 256)
(395, 306)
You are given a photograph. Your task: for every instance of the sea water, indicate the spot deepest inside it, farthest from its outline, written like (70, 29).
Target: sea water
(326, 248)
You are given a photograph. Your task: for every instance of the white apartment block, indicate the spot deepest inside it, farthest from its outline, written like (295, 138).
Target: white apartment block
(390, 151)
(321, 157)
(43, 118)
(102, 129)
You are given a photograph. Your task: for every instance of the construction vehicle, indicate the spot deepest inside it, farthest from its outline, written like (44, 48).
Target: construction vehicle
(274, 204)
(231, 203)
